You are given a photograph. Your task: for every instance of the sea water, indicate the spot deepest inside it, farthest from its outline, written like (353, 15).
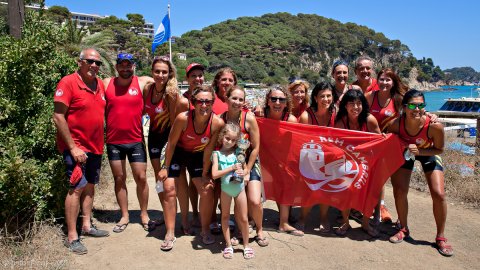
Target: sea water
(435, 99)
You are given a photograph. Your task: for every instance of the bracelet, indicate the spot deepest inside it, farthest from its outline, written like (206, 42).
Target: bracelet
(164, 167)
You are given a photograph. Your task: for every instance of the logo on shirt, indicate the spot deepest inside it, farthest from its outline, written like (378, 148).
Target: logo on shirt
(133, 92)
(59, 93)
(158, 109)
(388, 113)
(419, 141)
(205, 140)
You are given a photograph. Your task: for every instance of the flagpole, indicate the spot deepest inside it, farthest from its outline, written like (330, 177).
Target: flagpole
(170, 38)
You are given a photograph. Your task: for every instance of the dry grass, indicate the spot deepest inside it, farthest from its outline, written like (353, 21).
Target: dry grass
(41, 247)
(459, 188)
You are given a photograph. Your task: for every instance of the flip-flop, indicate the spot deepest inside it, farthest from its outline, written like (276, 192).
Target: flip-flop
(149, 226)
(263, 242)
(120, 227)
(324, 229)
(167, 244)
(293, 232)
(343, 229)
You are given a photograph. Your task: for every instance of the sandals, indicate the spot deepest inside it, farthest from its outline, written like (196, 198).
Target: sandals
(207, 239)
(248, 253)
(293, 232)
(324, 229)
(343, 229)
(120, 227)
(151, 225)
(442, 246)
(263, 242)
(228, 252)
(186, 230)
(167, 244)
(399, 236)
(370, 231)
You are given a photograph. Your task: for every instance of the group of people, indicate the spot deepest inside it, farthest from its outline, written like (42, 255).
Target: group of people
(200, 132)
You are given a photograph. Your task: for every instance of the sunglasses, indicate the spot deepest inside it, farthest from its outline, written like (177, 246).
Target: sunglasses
(207, 102)
(275, 99)
(413, 106)
(164, 58)
(91, 61)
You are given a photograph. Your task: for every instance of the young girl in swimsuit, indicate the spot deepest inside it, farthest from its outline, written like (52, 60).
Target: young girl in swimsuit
(224, 164)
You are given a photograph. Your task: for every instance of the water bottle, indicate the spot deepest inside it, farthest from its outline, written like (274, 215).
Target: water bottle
(159, 186)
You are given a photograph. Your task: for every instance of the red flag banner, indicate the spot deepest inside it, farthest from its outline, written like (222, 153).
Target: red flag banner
(305, 165)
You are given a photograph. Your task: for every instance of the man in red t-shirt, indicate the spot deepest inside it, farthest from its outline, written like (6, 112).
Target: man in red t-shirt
(79, 105)
(123, 115)
(364, 71)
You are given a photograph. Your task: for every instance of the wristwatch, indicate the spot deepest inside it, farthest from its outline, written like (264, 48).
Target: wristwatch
(164, 167)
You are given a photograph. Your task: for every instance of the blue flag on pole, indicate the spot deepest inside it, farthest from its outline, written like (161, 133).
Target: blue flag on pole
(163, 33)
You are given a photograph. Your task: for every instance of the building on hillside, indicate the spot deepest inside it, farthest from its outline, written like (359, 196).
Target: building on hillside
(86, 20)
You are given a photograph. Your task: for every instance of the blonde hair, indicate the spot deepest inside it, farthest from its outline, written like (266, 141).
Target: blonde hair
(171, 88)
(229, 127)
(295, 84)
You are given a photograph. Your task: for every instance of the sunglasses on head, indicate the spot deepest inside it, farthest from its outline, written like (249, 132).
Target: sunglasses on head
(164, 58)
(281, 100)
(91, 61)
(207, 102)
(413, 106)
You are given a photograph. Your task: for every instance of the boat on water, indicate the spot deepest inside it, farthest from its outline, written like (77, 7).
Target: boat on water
(460, 114)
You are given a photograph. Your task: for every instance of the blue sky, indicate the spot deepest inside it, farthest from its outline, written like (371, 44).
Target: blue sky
(446, 31)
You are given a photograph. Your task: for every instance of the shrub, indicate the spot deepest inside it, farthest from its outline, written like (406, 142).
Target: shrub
(32, 182)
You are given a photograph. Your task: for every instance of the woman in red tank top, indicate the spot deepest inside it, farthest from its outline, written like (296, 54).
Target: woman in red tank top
(160, 100)
(278, 106)
(190, 144)
(353, 115)
(385, 106)
(340, 76)
(300, 100)
(249, 127)
(321, 113)
(425, 141)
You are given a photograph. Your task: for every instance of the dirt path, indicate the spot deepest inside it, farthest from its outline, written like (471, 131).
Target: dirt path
(137, 249)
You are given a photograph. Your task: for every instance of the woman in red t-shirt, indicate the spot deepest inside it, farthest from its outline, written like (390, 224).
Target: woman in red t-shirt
(353, 114)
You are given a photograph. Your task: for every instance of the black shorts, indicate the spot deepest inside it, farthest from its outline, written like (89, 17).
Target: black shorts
(429, 163)
(156, 142)
(193, 162)
(135, 152)
(90, 170)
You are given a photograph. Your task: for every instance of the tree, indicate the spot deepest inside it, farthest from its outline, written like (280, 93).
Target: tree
(58, 14)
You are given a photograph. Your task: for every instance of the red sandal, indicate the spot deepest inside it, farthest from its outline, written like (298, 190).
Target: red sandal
(442, 246)
(400, 235)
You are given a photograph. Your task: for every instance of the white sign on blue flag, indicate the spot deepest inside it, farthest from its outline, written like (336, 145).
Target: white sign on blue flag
(163, 33)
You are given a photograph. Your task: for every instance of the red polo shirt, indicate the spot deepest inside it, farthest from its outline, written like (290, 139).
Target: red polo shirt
(85, 113)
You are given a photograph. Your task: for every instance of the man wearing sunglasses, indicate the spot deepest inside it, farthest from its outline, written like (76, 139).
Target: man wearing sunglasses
(123, 115)
(79, 105)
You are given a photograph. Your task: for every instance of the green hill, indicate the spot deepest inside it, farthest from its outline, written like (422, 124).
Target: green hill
(274, 48)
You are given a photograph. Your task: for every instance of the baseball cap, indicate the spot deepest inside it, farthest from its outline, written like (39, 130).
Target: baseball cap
(125, 56)
(193, 66)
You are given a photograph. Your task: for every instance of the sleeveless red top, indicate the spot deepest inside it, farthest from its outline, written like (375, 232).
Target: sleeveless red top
(362, 128)
(188, 96)
(124, 112)
(383, 114)
(190, 141)
(243, 121)
(330, 123)
(421, 139)
(158, 113)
